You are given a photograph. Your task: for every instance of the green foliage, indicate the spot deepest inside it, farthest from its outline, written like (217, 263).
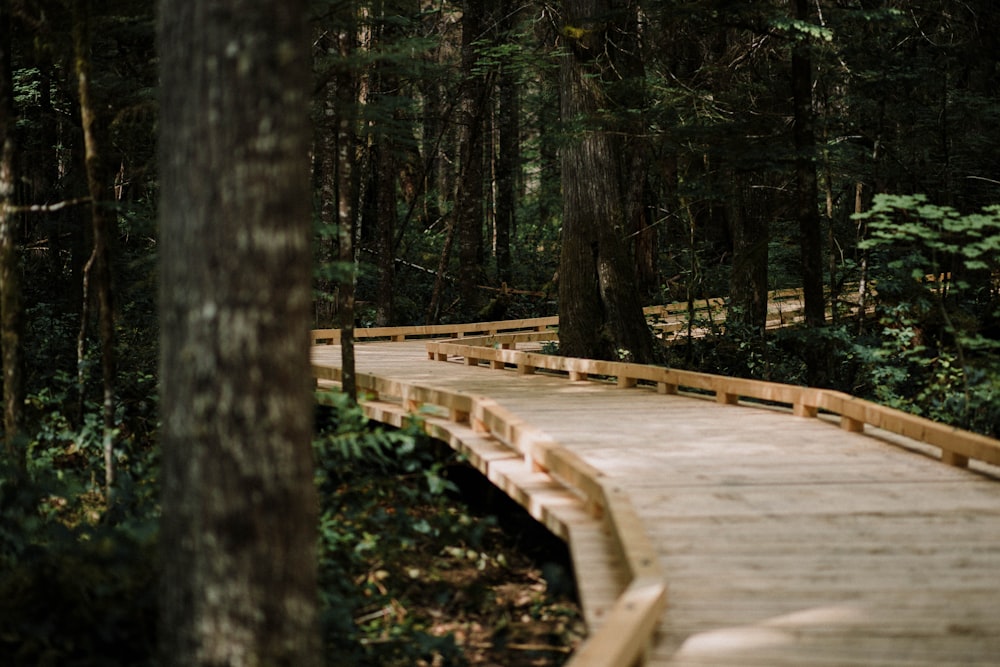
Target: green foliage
(383, 494)
(78, 583)
(81, 595)
(802, 30)
(77, 580)
(934, 269)
(934, 238)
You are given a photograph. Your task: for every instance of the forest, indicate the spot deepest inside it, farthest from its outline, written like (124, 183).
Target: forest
(449, 161)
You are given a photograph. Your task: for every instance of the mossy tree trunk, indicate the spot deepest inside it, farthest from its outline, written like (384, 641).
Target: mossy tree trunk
(239, 506)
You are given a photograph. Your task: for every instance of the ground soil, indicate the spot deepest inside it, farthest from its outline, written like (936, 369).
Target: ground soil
(512, 602)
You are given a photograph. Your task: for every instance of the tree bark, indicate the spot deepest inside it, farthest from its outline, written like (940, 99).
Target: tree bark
(239, 508)
(748, 280)
(806, 200)
(806, 182)
(600, 314)
(384, 162)
(97, 271)
(507, 166)
(11, 302)
(469, 204)
(345, 98)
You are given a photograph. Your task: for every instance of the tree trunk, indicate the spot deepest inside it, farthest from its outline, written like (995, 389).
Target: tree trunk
(384, 162)
(11, 304)
(806, 183)
(600, 314)
(345, 98)
(748, 280)
(630, 93)
(469, 205)
(806, 200)
(239, 507)
(97, 271)
(508, 157)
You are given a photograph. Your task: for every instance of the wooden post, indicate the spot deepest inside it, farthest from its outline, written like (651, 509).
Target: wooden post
(954, 459)
(852, 425)
(800, 409)
(725, 398)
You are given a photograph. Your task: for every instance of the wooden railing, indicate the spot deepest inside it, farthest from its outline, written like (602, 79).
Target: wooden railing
(626, 633)
(332, 336)
(956, 446)
(671, 323)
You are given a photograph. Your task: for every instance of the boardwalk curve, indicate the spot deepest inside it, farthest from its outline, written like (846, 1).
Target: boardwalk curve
(706, 530)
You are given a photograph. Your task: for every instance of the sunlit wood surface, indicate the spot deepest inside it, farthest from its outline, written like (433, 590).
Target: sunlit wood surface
(784, 540)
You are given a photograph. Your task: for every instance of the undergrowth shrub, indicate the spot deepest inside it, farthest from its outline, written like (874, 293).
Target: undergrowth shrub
(934, 350)
(79, 581)
(383, 494)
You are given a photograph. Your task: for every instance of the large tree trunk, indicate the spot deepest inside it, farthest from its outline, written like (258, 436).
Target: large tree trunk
(600, 314)
(238, 501)
(11, 304)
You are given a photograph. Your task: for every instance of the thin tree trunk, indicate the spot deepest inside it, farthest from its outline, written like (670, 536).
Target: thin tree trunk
(345, 101)
(631, 93)
(11, 303)
(385, 223)
(807, 188)
(239, 507)
(98, 267)
(748, 281)
(508, 162)
(434, 308)
(469, 205)
(817, 358)
(549, 177)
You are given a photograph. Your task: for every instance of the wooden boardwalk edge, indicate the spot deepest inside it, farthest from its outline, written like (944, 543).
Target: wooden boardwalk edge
(957, 446)
(623, 636)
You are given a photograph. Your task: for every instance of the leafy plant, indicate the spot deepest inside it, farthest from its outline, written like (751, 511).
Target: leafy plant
(934, 270)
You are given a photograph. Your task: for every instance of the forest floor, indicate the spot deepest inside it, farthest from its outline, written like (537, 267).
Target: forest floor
(510, 603)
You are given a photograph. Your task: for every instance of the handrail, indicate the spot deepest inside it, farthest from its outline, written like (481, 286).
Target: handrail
(626, 634)
(785, 306)
(332, 336)
(957, 446)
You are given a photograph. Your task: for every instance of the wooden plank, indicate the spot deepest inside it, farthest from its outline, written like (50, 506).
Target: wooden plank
(625, 637)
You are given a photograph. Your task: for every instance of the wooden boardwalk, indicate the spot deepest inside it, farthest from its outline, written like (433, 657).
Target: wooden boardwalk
(780, 538)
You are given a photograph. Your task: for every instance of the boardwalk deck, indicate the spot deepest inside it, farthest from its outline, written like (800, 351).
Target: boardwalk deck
(784, 540)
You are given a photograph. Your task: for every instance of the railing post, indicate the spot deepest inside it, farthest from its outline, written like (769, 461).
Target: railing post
(954, 459)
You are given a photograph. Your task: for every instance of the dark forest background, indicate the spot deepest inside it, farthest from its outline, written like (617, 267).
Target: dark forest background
(471, 161)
